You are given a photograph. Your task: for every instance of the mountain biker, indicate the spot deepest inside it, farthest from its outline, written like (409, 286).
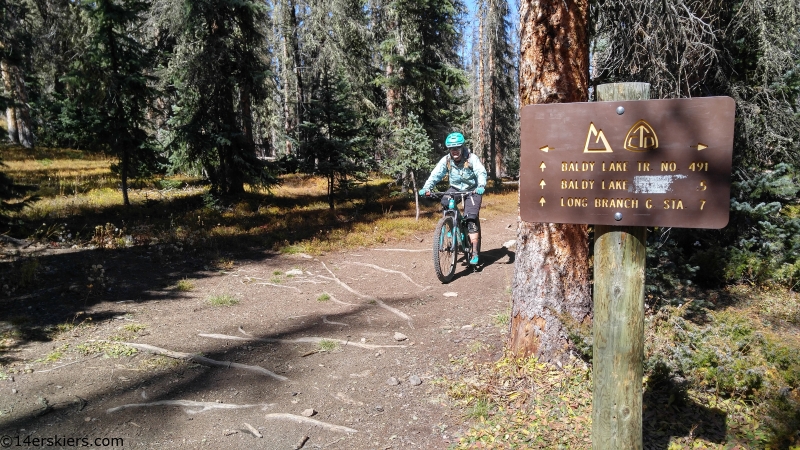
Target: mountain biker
(466, 173)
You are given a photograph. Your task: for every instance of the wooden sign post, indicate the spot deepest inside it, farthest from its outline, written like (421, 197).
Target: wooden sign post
(625, 163)
(618, 325)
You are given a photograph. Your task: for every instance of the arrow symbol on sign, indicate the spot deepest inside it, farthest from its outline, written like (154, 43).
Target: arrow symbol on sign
(542, 202)
(542, 166)
(542, 184)
(699, 146)
(546, 148)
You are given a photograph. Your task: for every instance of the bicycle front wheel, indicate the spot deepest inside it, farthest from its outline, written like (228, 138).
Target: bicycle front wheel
(445, 249)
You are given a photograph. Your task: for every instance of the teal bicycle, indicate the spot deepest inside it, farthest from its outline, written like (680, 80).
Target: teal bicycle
(451, 237)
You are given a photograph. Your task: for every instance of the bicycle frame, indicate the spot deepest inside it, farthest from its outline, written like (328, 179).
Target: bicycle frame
(462, 237)
(451, 237)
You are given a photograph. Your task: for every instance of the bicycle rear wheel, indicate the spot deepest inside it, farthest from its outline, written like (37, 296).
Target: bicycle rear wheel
(445, 249)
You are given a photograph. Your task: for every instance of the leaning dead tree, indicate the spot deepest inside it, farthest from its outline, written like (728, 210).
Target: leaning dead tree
(746, 49)
(551, 274)
(669, 43)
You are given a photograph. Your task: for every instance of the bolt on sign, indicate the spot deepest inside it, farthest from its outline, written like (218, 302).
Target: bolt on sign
(660, 163)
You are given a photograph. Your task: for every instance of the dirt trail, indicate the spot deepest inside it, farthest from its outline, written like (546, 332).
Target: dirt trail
(388, 328)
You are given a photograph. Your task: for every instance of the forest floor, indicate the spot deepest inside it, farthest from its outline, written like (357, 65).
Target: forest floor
(338, 350)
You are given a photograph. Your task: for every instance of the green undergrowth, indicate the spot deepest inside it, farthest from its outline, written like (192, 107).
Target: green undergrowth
(719, 377)
(522, 403)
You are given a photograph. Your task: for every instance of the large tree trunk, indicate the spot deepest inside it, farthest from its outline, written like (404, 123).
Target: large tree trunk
(481, 141)
(287, 114)
(18, 116)
(551, 275)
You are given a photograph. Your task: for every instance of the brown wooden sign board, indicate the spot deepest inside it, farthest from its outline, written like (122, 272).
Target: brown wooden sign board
(660, 163)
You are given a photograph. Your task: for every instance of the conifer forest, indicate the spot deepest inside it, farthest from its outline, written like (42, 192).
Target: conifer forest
(239, 95)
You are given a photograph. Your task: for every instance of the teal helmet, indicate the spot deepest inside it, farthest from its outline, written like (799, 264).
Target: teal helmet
(454, 140)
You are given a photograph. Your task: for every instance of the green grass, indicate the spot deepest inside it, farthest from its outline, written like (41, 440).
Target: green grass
(55, 355)
(223, 300)
(740, 366)
(326, 345)
(78, 193)
(324, 297)
(108, 349)
(134, 327)
(507, 412)
(185, 285)
(502, 319)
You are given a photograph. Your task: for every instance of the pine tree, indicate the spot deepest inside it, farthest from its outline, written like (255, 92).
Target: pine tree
(497, 134)
(219, 68)
(337, 145)
(746, 49)
(412, 153)
(15, 44)
(422, 67)
(117, 90)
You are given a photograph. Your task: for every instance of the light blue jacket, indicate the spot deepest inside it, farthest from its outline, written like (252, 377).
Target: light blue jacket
(464, 177)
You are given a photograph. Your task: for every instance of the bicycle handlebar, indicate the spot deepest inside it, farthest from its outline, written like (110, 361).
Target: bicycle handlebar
(442, 194)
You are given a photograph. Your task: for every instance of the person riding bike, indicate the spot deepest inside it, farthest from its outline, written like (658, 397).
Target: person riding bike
(466, 173)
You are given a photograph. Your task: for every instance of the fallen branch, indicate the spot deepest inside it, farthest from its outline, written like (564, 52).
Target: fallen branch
(302, 340)
(202, 360)
(17, 242)
(301, 419)
(205, 406)
(389, 271)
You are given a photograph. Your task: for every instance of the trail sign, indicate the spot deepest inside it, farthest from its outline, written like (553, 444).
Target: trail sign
(628, 163)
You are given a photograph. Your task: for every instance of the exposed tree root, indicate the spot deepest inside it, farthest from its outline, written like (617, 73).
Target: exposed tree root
(335, 300)
(202, 360)
(253, 430)
(204, 406)
(395, 311)
(300, 443)
(307, 420)
(367, 297)
(344, 285)
(67, 364)
(390, 271)
(278, 285)
(325, 320)
(302, 340)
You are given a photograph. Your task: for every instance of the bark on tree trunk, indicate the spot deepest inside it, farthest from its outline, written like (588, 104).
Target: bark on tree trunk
(492, 116)
(298, 76)
(481, 141)
(551, 274)
(24, 131)
(124, 177)
(17, 115)
(287, 121)
(391, 93)
(11, 112)
(247, 117)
